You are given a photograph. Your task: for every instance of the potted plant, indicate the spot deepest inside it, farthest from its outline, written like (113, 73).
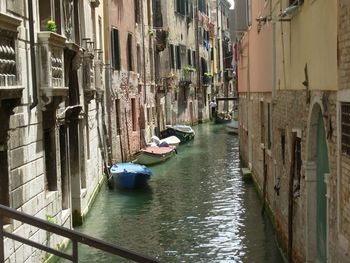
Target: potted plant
(207, 79)
(51, 26)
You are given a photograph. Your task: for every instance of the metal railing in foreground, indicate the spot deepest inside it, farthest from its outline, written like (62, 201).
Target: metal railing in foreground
(74, 236)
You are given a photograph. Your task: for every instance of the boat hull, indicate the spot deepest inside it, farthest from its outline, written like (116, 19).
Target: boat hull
(220, 120)
(130, 176)
(154, 155)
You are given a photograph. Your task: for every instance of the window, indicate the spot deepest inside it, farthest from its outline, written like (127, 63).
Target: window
(283, 146)
(87, 131)
(269, 127)
(148, 115)
(190, 11)
(181, 6)
(183, 55)
(172, 57)
(138, 57)
(262, 122)
(76, 22)
(49, 144)
(133, 113)
(117, 116)
(194, 59)
(50, 9)
(129, 52)
(8, 74)
(189, 57)
(178, 57)
(151, 62)
(345, 128)
(297, 167)
(100, 33)
(202, 7)
(115, 49)
(64, 167)
(137, 11)
(4, 178)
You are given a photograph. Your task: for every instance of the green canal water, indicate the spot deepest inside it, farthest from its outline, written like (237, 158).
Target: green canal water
(196, 209)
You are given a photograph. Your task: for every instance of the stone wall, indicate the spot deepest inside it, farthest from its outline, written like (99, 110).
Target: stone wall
(290, 113)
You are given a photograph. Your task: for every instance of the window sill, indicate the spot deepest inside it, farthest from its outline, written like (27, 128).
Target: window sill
(180, 14)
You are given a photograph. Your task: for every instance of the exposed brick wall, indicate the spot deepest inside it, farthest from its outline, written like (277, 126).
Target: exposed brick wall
(289, 112)
(342, 249)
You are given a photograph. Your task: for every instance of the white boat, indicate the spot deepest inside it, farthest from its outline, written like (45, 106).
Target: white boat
(169, 141)
(233, 127)
(154, 154)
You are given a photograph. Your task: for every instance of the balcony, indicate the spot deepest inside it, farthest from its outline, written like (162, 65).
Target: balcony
(51, 67)
(9, 82)
(162, 39)
(98, 62)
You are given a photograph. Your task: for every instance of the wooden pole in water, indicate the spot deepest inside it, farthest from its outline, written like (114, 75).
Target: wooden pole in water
(290, 200)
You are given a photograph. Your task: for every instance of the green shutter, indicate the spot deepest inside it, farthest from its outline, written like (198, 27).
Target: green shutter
(322, 169)
(130, 65)
(115, 49)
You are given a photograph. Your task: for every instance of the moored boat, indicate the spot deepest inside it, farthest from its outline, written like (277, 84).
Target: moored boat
(130, 175)
(222, 117)
(169, 141)
(154, 154)
(184, 132)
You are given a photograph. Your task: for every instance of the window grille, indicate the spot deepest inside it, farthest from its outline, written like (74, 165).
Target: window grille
(345, 128)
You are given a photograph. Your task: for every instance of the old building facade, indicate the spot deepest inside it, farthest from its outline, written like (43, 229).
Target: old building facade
(50, 92)
(293, 122)
(85, 84)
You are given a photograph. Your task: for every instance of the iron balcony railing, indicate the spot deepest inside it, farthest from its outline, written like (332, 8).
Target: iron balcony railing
(74, 236)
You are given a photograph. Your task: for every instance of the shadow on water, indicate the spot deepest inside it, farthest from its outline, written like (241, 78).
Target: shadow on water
(196, 209)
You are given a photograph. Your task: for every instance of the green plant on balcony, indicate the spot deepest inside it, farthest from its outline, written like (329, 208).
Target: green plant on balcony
(51, 26)
(51, 219)
(188, 69)
(207, 78)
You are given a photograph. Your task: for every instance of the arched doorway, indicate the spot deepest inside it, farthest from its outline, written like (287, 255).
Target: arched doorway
(317, 169)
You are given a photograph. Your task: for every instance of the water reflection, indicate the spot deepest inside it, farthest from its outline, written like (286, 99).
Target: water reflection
(196, 209)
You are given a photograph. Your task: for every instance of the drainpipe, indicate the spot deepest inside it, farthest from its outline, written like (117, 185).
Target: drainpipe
(108, 82)
(143, 54)
(32, 55)
(199, 72)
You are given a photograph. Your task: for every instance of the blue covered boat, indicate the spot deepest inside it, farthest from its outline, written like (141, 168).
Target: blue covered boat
(130, 175)
(184, 132)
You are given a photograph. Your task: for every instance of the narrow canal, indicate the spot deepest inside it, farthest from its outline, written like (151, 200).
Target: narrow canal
(196, 209)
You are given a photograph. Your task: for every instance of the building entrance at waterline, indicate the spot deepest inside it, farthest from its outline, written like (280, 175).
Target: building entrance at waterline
(322, 171)
(317, 169)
